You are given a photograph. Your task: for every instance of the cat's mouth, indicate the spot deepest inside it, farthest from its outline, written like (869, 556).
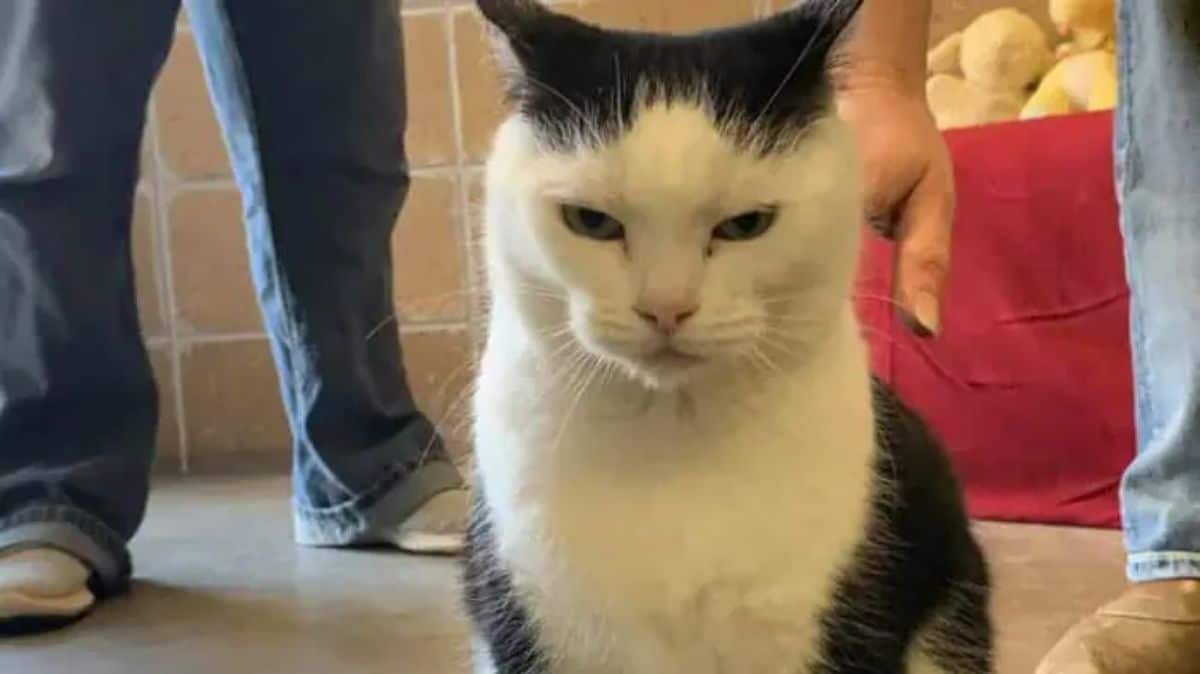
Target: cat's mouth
(670, 357)
(660, 362)
(666, 367)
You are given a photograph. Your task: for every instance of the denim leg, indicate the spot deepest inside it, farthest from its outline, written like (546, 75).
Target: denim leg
(1158, 173)
(310, 96)
(77, 402)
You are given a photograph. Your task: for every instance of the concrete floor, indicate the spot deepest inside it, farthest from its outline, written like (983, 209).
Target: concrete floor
(221, 589)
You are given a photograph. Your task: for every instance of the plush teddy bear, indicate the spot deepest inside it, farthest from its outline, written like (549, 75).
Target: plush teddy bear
(985, 73)
(1087, 25)
(1085, 79)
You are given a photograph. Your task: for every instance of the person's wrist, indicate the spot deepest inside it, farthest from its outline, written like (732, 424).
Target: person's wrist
(867, 74)
(863, 90)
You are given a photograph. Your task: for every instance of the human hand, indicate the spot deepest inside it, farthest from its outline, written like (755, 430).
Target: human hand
(909, 189)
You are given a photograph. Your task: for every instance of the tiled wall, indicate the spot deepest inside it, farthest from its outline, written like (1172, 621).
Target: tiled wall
(220, 401)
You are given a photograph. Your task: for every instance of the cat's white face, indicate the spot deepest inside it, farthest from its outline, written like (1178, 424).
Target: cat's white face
(676, 254)
(674, 205)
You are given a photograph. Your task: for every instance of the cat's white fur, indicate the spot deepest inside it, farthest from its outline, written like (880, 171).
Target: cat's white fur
(674, 517)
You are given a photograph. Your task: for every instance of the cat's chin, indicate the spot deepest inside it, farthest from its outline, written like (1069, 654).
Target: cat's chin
(667, 370)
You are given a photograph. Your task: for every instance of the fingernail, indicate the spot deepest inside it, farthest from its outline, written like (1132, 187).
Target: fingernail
(925, 310)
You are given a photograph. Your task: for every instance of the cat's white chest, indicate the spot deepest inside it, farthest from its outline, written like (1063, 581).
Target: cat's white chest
(647, 549)
(661, 600)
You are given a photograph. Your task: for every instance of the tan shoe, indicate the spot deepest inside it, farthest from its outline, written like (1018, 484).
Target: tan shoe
(438, 528)
(1154, 628)
(41, 589)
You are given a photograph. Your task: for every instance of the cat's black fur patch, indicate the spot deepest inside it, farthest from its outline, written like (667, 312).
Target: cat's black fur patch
(494, 608)
(766, 81)
(919, 574)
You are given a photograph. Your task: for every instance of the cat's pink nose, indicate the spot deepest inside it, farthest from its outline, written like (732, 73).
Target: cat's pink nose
(666, 318)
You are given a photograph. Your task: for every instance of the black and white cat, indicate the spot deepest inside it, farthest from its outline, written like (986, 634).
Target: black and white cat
(684, 464)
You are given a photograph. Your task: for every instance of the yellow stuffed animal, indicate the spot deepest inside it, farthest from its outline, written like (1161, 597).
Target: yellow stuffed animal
(1085, 79)
(1086, 24)
(985, 73)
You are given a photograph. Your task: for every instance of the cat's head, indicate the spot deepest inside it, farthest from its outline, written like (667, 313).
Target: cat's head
(676, 204)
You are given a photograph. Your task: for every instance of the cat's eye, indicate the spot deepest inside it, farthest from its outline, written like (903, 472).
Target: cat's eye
(745, 226)
(592, 224)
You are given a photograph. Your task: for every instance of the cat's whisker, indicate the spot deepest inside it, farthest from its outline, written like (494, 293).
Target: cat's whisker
(791, 73)
(580, 369)
(779, 347)
(557, 94)
(569, 374)
(778, 338)
(575, 366)
(798, 319)
(557, 386)
(567, 344)
(555, 332)
(533, 286)
(760, 356)
(540, 293)
(537, 291)
(866, 330)
(879, 298)
(463, 424)
(788, 328)
(421, 300)
(578, 397)
(620, 91)
(381, 327)
(611, 370)
(453, 408)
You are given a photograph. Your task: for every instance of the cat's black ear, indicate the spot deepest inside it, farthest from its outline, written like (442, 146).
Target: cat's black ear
(821, 25)
(529, 44)
(519, 21)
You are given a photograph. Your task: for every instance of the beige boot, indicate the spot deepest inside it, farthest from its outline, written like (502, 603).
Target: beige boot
(438, 528)
(1154, 628)
(41, 589)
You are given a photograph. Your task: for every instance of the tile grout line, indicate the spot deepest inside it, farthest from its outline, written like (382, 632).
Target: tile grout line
(410, 327)
(463, 220)
(145, 189)
(438, 327)
(216, 182)
(195, 340)
(420, 11)
(162, 197)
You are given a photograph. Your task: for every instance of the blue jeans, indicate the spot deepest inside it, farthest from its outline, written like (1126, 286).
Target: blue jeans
(310, 96)
(1158, 173)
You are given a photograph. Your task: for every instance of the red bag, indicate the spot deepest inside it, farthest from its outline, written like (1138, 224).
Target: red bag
(1029, 384)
